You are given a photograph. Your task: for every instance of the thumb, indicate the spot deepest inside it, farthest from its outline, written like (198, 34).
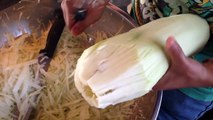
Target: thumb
(78, 28)
(174, 51)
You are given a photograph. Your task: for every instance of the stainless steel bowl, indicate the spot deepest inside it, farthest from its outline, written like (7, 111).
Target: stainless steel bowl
(28, 16)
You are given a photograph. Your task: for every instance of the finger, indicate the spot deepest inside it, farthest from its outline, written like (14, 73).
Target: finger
(68, 10)
(164, 83)
(78, 28)
(170, 81)
(174, 51)
(92, 17)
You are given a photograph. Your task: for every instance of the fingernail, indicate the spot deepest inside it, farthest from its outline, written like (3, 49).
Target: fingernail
(174, 49)
(172, 46)
(170, 42)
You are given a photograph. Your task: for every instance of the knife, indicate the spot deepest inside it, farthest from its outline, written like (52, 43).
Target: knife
(55, 34)
(46, 54)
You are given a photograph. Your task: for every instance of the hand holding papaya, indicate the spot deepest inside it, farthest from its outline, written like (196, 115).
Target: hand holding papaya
(184, 72)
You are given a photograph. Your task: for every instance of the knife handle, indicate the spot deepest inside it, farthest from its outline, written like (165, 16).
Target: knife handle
(57, 29)
(54, 34)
